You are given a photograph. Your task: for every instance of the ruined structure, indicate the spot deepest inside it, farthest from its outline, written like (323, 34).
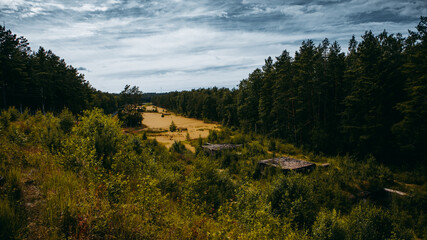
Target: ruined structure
(286, 164)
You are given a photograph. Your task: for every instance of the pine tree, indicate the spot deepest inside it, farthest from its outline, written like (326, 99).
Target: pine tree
(411, 131)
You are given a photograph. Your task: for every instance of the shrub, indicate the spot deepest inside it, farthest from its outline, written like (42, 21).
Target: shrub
(77, 153)
(104, 132)
(130, 116)
(5, 119)
(14, 113)
(45, 129)
(366, 222)
(66, 120)
(177, 147)
(172, 127)
(293, 197)
(213, 136)
(207, 187)
(12, 184)
(328, 226)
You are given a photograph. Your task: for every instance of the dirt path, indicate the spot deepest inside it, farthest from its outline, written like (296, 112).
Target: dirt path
(187, 127)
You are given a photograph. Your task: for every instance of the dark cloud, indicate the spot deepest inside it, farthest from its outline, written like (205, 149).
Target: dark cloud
(381, 16)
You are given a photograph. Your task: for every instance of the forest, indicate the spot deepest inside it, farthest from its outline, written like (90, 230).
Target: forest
(69, 169)
(372, 100)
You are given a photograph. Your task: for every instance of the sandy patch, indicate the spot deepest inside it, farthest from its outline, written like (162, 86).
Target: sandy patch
(194, 127)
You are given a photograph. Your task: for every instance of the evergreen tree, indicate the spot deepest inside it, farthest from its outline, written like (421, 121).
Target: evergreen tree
(248, 100)
(411, 131)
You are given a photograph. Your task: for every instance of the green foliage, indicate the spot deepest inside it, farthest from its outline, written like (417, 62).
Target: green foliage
(293, 197)
(41, 80)
(213, 136)
(13, 188)
(148, 192)
(272, 145)
(172, 127)
(368, 222)
(328, 226)
(66, 120)
(130, 96)
(43, 129)
(78, 154)
(104, 133)
(144, 135)
(11, 215)
(207, 186)
(370, 101)
(130, 116)
(4, 120)
(89, 180)
(411, 131)
(8, 220)
(178, 147)
(14, 113)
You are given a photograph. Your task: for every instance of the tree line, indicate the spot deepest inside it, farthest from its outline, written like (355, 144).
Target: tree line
(371, 100)
(40, 80)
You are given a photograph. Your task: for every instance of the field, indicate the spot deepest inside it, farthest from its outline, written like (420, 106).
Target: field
(157, 127)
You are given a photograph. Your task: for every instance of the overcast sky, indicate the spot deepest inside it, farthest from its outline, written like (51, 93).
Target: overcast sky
(171, 45)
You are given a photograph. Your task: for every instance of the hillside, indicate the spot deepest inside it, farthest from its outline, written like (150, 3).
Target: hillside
(88, 180)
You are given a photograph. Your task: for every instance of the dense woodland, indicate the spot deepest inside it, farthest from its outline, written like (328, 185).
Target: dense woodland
(70, 171)
(372, 100)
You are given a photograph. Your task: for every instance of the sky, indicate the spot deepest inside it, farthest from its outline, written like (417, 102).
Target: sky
(169, 45)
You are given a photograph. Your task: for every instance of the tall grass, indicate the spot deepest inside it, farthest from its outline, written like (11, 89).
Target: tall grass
(8, 219)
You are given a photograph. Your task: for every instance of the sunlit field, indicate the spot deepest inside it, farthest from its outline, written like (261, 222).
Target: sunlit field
(157, 127)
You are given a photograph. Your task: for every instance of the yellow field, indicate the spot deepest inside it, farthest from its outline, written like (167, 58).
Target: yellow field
(156, 123)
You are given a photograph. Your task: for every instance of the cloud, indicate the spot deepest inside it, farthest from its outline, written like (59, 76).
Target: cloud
(176, 45)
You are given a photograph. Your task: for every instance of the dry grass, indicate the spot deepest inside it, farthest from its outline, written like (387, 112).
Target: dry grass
(156, 123)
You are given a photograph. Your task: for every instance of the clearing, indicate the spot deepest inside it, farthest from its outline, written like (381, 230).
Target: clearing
(157, 127)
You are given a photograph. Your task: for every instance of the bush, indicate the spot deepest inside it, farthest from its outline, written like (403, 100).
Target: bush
(12, 184)
(14, 113)
(8, 116)
(213, 136)
(172, 127)
(328, 226)
(178, 147)
(130, 116)
(293, 197)
(104, 133)
(66, 120)
(367, 222)
(207, 187)
(5, 119)
(77, 153)
(45, 129)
